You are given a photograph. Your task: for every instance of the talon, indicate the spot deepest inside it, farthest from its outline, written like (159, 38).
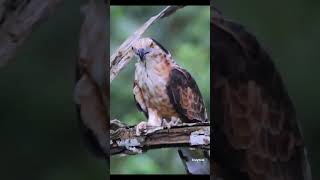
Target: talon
(166, 124)
(175, 121)
(141, 128)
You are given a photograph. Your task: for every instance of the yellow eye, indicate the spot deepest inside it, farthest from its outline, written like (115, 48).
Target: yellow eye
(152, 45)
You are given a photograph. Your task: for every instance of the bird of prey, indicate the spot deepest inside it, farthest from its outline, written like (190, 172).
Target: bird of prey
(256, 134)
(165, 92)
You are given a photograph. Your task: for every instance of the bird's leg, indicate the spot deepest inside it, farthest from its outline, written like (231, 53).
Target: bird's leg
(153, 121)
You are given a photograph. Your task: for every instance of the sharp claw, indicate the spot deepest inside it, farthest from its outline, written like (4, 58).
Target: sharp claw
(141, 127)
(166, 124)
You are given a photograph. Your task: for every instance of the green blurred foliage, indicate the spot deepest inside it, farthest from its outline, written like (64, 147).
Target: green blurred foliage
(186, 34)
(39, 133)
(289, 30)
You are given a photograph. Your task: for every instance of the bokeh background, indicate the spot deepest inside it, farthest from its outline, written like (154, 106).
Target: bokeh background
(39, 134)
(186, 34)
(289, 30)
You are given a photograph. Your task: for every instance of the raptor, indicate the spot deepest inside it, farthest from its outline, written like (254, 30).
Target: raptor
(165, 92)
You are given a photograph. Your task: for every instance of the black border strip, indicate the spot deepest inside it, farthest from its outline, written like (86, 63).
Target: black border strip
(168, 177)
(160, 2)
(211, 99)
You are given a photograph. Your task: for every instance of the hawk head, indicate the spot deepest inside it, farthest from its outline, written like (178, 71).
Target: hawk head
(148, 49)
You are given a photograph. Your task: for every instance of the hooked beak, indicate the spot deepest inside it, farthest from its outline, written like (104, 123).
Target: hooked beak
(141, 53)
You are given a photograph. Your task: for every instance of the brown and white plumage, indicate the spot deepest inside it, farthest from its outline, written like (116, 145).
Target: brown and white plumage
(256, 132)
(164, 90)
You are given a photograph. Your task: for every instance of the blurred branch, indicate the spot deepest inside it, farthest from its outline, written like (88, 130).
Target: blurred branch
(92, 89)
(123, 138)
(123, 54)
(17, 20)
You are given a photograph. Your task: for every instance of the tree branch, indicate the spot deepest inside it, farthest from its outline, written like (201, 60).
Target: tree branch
(17, 20)
(123, 54)
(123, 139)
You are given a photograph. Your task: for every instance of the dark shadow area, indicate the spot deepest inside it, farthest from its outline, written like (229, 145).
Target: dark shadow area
(289, 30)
(39, 133)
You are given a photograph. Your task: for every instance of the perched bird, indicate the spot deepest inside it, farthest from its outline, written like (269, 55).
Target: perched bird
(165, 92)
(256, 134)
(162, 89)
